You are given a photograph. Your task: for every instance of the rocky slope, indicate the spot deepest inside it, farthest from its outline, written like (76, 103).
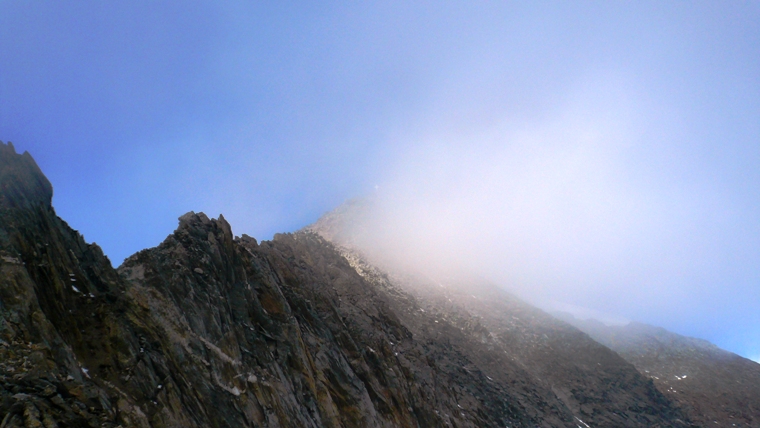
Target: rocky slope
(598, 386)
(715, 387)
(209, 329)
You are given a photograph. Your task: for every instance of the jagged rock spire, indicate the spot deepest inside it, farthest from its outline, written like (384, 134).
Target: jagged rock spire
(22, 183)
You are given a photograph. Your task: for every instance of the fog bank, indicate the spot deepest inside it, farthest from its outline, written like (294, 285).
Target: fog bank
(593, 208)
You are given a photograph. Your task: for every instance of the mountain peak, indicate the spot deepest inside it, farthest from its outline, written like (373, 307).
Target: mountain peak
(22, 183)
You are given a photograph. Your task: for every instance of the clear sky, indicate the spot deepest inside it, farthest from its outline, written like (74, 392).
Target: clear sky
(603, 156)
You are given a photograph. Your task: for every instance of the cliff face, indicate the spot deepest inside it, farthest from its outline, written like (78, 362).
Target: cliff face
(212, 330)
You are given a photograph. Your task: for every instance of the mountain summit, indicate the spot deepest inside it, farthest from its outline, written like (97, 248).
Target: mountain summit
(212, 330)
(22, 184)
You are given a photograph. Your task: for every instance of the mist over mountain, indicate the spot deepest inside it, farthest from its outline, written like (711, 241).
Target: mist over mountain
(599, 157)
(311, 328)
(566, 213)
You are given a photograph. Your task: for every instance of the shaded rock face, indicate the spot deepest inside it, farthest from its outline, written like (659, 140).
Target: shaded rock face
(713, 386)
(211, 330)
(22, 184)
(60, 306)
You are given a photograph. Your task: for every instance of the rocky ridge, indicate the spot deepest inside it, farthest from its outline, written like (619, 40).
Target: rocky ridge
(210, 329)
(598, 386)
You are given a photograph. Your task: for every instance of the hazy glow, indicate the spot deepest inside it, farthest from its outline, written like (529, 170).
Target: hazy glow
(579, 210)
(554, 206)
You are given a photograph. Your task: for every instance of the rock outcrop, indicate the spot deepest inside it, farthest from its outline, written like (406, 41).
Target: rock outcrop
(212, 330)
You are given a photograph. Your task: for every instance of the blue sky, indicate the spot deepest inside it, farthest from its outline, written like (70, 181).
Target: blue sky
(607, 154)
